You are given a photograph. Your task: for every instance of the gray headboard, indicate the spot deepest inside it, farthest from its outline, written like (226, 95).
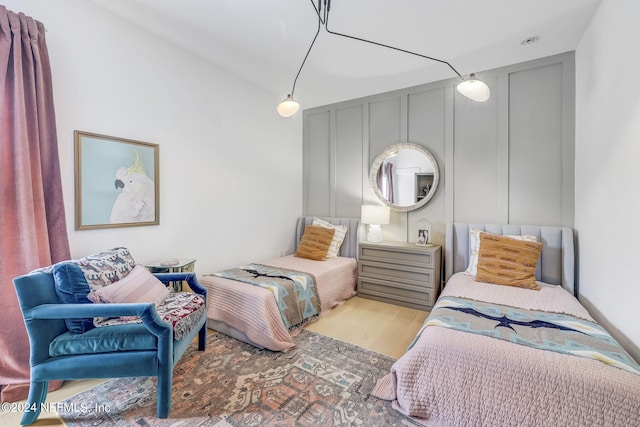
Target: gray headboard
(556, 265)
(349, 247)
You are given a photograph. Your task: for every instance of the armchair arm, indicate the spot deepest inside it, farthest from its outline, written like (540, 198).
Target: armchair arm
(146, 312)
(190, 278)
(66, 311)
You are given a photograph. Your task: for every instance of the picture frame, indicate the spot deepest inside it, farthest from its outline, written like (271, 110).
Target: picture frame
(116, 182)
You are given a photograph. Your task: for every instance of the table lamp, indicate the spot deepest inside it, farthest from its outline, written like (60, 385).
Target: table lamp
(375, 216)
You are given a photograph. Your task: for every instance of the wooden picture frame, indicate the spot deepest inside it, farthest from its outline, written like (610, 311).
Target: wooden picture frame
(116, 182)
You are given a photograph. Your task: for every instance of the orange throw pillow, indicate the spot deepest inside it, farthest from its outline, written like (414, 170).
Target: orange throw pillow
(315, 242)
(509, 262)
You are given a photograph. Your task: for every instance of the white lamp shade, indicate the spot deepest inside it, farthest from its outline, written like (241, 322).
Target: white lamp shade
(288, 107)
(372, 214)
(473, 89)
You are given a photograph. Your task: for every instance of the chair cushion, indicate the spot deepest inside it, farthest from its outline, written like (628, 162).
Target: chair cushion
(104, 340)
(72, 288)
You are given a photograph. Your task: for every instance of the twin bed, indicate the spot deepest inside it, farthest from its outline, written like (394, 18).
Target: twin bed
(515, 356)
(488, 354)
(250, 313)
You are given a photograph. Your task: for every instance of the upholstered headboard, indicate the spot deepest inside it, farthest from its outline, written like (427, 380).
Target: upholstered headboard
(556, 264)
(349, 246)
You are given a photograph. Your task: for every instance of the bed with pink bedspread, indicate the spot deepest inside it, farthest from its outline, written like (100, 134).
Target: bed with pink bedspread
(460, 371)
(250, 313)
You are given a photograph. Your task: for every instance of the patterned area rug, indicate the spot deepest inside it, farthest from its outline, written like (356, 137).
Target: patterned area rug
(319, 382)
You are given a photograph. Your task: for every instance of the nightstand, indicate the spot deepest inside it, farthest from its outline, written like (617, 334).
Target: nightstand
(172, 265)
(400, 273)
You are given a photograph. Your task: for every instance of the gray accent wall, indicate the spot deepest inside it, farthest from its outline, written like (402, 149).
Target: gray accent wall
(508, 160)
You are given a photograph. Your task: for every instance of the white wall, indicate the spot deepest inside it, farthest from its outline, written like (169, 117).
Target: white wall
(230, 167)
(607, 172)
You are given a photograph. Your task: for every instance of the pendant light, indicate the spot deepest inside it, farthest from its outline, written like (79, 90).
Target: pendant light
(289, 106)
(474, 89)
(471, 88)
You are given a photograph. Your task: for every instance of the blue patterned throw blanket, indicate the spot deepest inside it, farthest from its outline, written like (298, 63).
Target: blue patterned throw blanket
(295, 292)
(547, 331)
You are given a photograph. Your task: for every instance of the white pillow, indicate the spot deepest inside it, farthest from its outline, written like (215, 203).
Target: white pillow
(137, 286)
(474, 246)
(338, 236)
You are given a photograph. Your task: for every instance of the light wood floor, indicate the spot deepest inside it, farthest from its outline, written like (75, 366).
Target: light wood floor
(385, 328)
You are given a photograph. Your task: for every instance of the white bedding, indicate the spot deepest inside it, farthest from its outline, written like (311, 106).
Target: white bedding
(253, 311)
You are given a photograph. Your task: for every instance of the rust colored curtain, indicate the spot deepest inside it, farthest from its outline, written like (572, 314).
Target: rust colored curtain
(33, 230)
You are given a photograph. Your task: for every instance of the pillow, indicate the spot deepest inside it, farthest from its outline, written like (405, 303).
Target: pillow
(315, 242)
(138, 286)
(72, 288)
(338, 237)
(474, 245)
(506, 261)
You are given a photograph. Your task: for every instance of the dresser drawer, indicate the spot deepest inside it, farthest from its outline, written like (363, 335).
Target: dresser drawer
(420, 277)
(396, 293)
(386, 254)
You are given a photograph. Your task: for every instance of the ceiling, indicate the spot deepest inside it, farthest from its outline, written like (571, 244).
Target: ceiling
(264, 42)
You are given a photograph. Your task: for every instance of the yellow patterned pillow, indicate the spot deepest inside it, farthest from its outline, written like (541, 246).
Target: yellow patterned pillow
(315, 242)
(506, 261)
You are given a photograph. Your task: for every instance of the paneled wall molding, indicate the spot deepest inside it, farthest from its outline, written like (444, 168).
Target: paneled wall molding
(508, 160)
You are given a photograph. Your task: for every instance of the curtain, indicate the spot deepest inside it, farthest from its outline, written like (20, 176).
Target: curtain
(32, 218)
(385, 181)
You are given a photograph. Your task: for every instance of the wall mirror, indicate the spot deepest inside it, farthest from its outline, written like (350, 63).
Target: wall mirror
(404, 176)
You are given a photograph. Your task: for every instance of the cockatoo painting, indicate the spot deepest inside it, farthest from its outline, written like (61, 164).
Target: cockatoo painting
(136, 201)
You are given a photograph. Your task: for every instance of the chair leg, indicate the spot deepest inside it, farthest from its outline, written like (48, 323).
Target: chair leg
(202, 338)
(164, 394)
(37, 396)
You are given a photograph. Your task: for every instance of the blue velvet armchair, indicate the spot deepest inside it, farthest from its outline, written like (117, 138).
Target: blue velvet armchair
(125, 350)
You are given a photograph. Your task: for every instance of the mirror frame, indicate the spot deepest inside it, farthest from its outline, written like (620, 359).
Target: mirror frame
(375, 166)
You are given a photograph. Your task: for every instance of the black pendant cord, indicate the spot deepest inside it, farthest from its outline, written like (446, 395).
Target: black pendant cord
(325, 22)
(307, 55)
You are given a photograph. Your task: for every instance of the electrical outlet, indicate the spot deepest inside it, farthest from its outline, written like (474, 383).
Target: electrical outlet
(282, 252)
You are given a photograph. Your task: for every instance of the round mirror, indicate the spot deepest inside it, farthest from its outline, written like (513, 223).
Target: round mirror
(404, 176)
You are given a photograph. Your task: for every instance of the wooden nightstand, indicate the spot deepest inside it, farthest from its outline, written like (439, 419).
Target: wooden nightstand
(400, 273)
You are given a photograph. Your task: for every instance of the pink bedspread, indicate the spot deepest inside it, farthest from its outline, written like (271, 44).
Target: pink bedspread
(454, 378)
(253, 310)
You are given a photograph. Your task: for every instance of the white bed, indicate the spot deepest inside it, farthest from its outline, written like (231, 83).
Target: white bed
(452, 377)
(250, 313)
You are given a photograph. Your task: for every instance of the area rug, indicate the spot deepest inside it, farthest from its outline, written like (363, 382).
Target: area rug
(319, 382)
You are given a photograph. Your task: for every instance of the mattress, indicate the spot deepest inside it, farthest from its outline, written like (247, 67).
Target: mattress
(252, 311)
(454, 378)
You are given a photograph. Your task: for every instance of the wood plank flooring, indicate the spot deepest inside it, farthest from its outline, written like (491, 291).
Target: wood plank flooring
(385, 328)
(378, 326)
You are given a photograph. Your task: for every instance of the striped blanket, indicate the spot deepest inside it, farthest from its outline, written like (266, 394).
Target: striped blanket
(295, 292)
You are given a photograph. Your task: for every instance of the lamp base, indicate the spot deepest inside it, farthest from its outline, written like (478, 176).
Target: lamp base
(375, 233)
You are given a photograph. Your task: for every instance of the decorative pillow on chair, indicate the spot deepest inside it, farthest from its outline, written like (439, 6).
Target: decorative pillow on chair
(72, 288)
(315, 242)
(474, 245)
(138, 286)
(506, 261)
(338, 236)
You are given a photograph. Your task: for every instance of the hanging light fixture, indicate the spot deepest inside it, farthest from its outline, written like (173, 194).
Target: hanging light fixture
(474, 89)
(289, 106)
(471, 88)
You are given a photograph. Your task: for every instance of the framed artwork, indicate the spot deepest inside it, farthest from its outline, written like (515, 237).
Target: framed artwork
(117, 182)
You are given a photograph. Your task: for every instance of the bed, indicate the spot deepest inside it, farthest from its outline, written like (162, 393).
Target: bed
(453, 376)
(250, 313)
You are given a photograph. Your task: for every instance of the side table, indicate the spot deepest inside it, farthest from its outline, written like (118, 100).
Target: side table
(172, 265)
